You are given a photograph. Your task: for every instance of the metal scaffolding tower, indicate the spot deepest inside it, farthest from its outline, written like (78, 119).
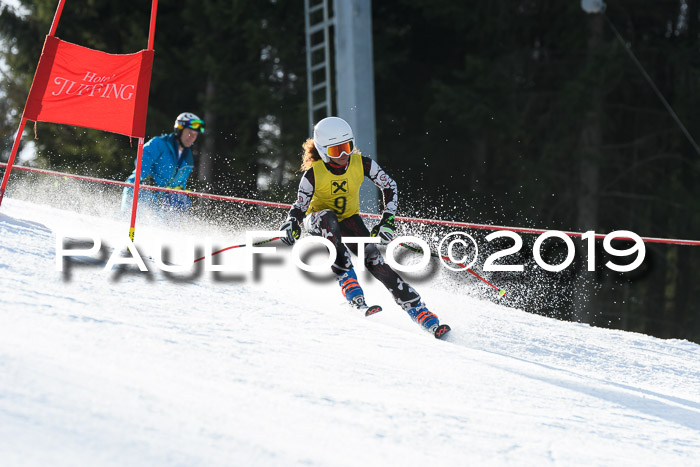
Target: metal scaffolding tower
(319, 21)
(339, 47)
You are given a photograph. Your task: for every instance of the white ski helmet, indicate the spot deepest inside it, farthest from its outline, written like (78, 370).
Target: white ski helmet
(330, 133)
(188, 120)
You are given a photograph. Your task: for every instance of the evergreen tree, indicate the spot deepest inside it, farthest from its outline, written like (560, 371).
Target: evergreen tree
(517, 113)
(236, 64)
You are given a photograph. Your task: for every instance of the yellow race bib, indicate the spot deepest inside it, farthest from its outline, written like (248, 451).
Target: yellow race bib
(339, 193)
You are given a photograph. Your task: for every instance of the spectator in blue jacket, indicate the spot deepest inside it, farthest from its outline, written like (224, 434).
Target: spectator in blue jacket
(167, 162)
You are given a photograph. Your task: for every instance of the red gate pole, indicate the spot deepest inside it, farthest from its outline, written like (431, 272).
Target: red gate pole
(139, 154)
(137, 183)
(152, 27)
(23, 121)
(11, 160)
(56, 17)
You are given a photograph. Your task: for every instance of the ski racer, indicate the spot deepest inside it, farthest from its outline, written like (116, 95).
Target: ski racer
(167, 162)
(328, 205)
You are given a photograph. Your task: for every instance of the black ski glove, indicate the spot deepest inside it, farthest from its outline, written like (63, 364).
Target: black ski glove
(385, 229)
(292, 230)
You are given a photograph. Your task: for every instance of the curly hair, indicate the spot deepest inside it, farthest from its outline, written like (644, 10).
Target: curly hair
(309, 156)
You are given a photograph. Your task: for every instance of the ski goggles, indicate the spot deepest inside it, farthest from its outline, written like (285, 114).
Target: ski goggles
(340, 149)
(195, 124)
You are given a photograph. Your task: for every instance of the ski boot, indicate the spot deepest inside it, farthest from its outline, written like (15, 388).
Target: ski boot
(354, 295)
(429, 321)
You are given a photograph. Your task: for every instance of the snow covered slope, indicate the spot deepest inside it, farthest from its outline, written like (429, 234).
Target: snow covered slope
(272, 369)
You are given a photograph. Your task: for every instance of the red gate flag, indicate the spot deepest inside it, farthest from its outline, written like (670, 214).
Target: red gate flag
(78, 86)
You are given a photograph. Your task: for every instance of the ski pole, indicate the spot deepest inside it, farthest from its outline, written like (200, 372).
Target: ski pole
(501, 292)
(262, 242)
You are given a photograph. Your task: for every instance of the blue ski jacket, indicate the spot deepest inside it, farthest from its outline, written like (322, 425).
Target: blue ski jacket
(161, 161)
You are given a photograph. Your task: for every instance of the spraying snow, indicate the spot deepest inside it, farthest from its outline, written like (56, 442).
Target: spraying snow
(271, 368)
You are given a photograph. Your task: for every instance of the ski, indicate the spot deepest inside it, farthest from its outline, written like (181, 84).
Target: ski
(441, 330)
(358, 303)
(372, 310)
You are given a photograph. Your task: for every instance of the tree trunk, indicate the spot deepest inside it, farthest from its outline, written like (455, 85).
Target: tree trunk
(588, 154)
(477, 165)
(206, 158)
